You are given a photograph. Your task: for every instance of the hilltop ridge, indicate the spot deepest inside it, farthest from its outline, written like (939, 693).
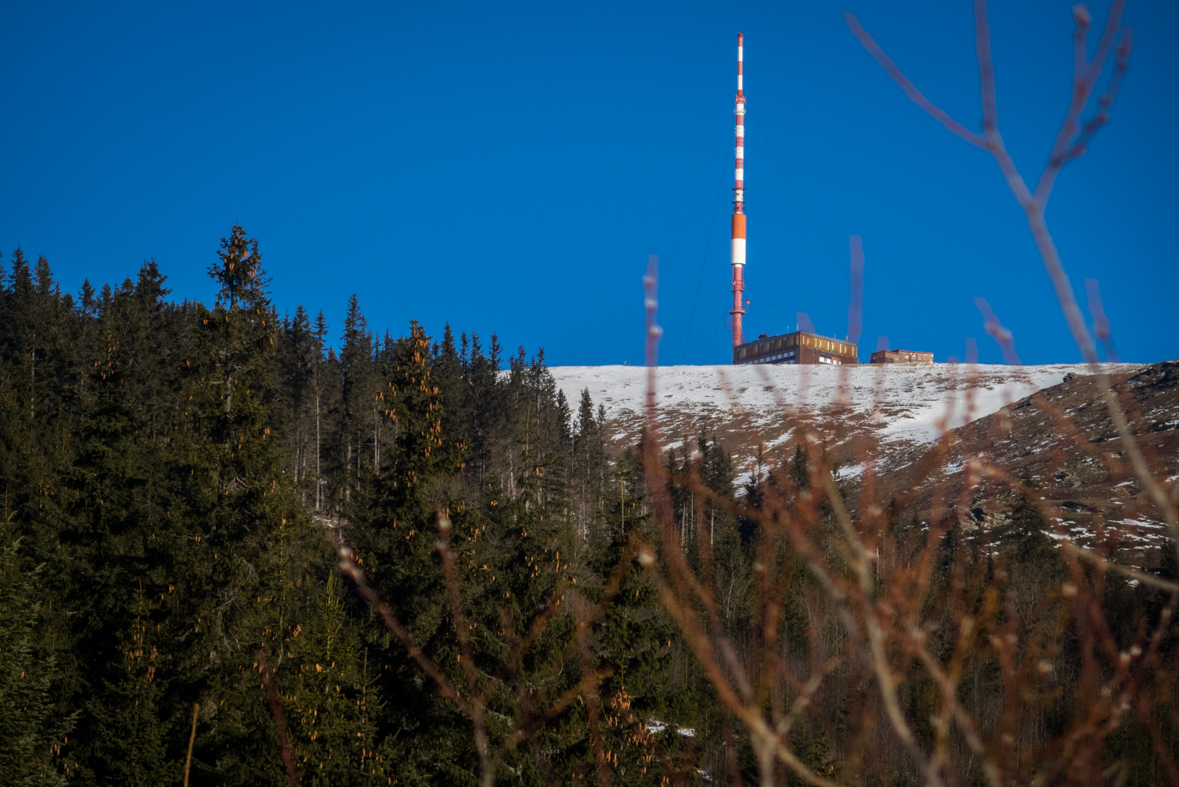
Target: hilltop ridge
(899, 407)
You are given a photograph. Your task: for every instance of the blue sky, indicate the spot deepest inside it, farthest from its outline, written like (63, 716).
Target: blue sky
(509, 167)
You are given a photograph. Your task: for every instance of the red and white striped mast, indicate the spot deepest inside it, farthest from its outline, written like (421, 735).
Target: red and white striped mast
(738, 244)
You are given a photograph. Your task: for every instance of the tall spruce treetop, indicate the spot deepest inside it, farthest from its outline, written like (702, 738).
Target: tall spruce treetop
(320, 331)
(238, 338)
(241, 573)
(243, 319)
(43, 277)
(21, 281)
(238, 271)
(86, 298)
(149, 287)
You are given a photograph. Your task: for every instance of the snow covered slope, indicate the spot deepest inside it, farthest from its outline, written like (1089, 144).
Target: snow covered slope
(1064, 442)
(899, 406)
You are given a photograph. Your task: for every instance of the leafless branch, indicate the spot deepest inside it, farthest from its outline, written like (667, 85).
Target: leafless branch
(280, 722)
(915, 95)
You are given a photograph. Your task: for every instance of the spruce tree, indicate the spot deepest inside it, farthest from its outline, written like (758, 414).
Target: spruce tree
(334, 698)
(633, 642)
(32, 732)
(323, 390)
(130, 742)
(394, 536)
(297, 360)
(589, 466)
(241, 575)
(114, 544)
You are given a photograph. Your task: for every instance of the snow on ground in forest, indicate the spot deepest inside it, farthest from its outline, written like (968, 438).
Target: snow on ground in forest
(913, 403)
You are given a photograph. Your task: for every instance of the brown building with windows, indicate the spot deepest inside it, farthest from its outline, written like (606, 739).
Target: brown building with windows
(797, 347)
(900, 356)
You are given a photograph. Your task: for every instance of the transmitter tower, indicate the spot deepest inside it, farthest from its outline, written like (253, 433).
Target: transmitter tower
(737, 253)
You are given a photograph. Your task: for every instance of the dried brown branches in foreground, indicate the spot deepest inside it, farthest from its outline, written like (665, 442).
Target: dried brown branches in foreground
(896, 635)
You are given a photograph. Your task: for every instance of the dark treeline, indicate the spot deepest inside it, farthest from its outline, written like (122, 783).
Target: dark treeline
(173, 481)
(176, 480)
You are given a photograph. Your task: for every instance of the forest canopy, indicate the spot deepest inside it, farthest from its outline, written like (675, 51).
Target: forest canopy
(239, 549)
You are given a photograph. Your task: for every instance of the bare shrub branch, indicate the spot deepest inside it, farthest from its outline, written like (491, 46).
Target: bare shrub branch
(280, 722)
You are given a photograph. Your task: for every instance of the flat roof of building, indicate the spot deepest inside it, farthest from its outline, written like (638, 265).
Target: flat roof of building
(807, 333)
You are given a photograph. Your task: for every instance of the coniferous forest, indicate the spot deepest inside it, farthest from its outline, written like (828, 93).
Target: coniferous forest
(244, 548)
(176, 480)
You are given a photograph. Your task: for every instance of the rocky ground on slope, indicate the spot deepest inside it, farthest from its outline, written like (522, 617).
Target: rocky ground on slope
(1045, 425)
(1063, 442)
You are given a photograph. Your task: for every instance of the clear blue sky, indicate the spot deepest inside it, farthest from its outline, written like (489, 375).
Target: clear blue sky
(509, 167)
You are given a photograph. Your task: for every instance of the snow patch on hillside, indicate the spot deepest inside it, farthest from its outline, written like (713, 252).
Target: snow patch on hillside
(904, 403)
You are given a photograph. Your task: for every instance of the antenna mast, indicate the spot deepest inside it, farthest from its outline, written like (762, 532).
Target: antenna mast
(738, 235)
